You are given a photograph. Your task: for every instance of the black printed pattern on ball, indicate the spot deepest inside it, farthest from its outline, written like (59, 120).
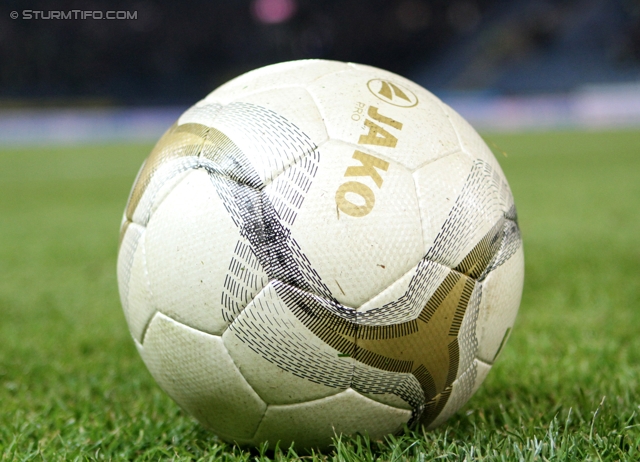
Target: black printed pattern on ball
(264, 222)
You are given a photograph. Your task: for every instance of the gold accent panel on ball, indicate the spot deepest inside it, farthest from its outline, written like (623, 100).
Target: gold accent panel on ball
(426, 347)
(179, 141)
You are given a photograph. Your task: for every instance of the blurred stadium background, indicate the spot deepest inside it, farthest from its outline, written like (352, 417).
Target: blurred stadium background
(503, 64)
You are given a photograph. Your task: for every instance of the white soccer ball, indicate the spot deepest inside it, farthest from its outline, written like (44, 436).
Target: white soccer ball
(318, 248)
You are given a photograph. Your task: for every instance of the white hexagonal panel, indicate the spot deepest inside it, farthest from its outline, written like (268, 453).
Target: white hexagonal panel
(438, 185)
(472, 143)
(195, 370)
(139, 308)
(482, 370)
(190, 244)
(476, 205)
(130, 237)
(295, 73)
(383, 112)
(371, 233)
(257, 138)
(314, 423)
(294, 104)
(499, 307)
(280, 357)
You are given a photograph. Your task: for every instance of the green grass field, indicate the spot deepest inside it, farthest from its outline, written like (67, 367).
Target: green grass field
(566, 387)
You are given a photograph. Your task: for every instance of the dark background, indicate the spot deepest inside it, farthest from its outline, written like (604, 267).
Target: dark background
(176, 52)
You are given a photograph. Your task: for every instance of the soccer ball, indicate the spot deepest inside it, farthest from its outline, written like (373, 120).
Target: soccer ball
(319, 248)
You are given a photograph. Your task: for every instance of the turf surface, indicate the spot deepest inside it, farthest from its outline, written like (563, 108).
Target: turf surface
(566, 386)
